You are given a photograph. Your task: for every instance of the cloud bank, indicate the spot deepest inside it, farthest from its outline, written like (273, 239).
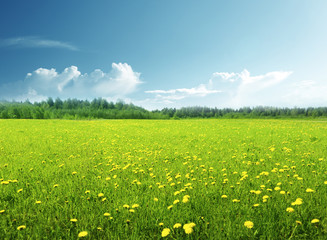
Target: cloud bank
(35, 42)
(71, 83)
(225, 89)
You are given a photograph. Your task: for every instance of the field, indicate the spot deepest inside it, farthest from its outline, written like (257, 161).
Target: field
(134, 179)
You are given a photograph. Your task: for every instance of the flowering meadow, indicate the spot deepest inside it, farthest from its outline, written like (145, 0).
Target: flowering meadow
(163, 179)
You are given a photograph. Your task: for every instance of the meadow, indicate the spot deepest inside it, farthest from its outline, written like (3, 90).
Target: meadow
(171, 179)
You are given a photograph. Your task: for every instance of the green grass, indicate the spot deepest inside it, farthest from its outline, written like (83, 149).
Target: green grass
(135, 161)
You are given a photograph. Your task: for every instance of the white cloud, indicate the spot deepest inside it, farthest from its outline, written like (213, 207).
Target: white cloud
(235, 90)
(36, 42)
(177, 94)
(71, 83)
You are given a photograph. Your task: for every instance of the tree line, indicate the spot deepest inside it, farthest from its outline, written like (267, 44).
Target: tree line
(100, 108)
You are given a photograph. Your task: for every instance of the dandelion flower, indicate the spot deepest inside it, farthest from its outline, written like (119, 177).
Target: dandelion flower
(125, 206)
(131, 210)
(165, 232)
(82, 234)
(106, 214)
(298, 201)
(176, 201)
(73, 220)
(161, 224)
(289, 209)
(170, 207)
(2, 211)
(156, 199)
(248, 224)
(309, 190)
(21, 227)
(100, 195)
(256, 205)
(224, 196)
(19, 190)
(38, 202)
(177, 225)
(315, 221)
(188, 230)
(298, 222)
(135, 205)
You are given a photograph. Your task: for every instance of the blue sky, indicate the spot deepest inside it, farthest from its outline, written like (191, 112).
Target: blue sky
(166, 53)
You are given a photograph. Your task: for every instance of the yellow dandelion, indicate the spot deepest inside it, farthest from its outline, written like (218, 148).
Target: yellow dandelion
(256, 205)
(236, 200)
(19, 190)
(289, 209)
(156, 199)
(100, 195)
(298, 222)
(131, 210)
(282, 192)
(2, 211)
(177, 225)
(87, 191)
(248, 224)
(325, 182)
(21, 227)
(161, 224)
(176, 201)
(224, 196)
(315, 221)
(309, 190)
(74, 220)
(56, 185)
(82, 234)
(298, 201)
(38, 202)
(188, 230)
(135, 205)
(170, 207)
(106, 214)
(165, 232)
(126, 206)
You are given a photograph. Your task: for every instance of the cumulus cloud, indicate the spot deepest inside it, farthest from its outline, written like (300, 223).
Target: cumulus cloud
(71, 83)
(35, 42)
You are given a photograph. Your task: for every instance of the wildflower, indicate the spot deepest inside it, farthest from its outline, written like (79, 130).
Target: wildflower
(106, 214)
(248, 224)
(256, 205)
(126, 206)
(315, 221)
(74, 220)
(289, 209)
(82, 234)
(56, 185)
(19, 190)
(257, 192)
(131, 210)
(87, 191)
(161, 224)
(309, 190)
(170, 207)
(165, 232)
(176, 201)
(325, 182)
(2, 211)
(298, 201)
(298, 222)
(21, 227)
(156, 199)
(100, 195)
(38, 202)
(188, 228)
(177, 225)
(236, 200)
(135, 205)
(224, 196)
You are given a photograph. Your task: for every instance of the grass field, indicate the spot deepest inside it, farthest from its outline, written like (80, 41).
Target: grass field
(134, 179)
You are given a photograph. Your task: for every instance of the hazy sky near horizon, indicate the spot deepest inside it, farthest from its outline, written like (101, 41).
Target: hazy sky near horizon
(166, 53)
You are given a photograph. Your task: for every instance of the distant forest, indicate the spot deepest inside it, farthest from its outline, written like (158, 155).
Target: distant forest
(102, 109)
